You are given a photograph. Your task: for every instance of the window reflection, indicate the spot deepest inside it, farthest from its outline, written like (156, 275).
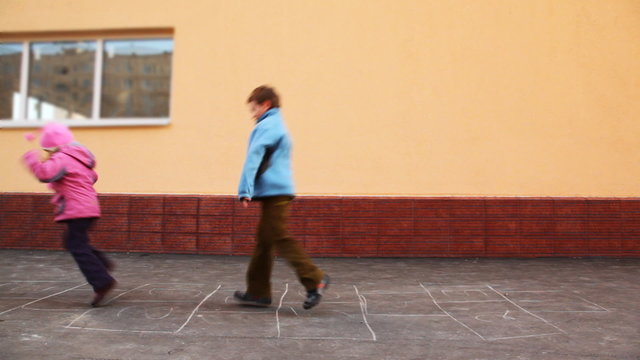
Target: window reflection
(61, 80)
(136, 78)
(10, 59)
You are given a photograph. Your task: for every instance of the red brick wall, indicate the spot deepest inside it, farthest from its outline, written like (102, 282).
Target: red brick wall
(344, 226)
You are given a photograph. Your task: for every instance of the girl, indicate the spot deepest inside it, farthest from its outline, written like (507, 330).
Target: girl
(69, 171)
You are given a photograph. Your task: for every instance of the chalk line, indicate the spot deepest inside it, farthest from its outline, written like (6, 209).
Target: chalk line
(46, 297)
(572, 311)
(74, 310)
(160, 301)
(17, 298)
(124, 293)
(326, 338)
(292, 309)
(343, 313)
(214, 312)
(286, 289)
(480, 291)
(90, 310)
(468, 301)
(177, 283)
(455, 286)
(531, 291)
(78, 318)
(196, 309)
(146, 314)
(120, 330)
(592, 303)
(123, 309)
(507, 317)
(478, 318)
(525, 310)
(451, 316)
(410, 315)
(38, 281)
(184, 291)
(119, 313)
(363, 308)
(324, 302)
(521, 336)
(383, 292)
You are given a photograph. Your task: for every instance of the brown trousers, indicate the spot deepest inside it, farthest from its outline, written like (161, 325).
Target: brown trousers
(273, 233)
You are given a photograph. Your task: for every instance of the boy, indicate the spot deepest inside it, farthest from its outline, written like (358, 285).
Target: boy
(267, 178)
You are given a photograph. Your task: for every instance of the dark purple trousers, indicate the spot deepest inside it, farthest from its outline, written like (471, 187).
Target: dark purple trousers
(92, 263)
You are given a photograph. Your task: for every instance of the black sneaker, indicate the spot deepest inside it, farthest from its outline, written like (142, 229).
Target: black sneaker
(250, 300)
(314, 297)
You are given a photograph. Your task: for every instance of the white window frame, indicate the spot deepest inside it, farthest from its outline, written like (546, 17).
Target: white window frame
(95, 121)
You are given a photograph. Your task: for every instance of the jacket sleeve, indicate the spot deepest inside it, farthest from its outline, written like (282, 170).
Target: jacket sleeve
(261, 139)
(46, 171)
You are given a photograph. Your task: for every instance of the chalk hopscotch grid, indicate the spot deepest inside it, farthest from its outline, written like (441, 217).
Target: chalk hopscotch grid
(528, 312)
(517, 303)
(361, 298)
(449, 314)
(195, 310)
(24, 306)
(600, 309)
(5, 296)
(281, 307)
(186, 322)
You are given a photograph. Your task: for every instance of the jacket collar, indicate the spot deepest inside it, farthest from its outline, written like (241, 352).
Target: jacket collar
(268, 113)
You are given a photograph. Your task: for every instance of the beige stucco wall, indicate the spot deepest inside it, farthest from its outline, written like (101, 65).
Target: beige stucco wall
(394, 97)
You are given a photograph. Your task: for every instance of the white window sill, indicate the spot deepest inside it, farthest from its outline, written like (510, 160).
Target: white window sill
(13, 124)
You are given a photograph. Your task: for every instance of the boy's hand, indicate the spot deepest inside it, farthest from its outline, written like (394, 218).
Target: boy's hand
(245, 202)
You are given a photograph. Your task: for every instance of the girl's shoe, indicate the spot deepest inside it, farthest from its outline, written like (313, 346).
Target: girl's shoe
(101, 293)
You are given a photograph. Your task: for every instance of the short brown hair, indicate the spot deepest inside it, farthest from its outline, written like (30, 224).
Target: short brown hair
(264, 93)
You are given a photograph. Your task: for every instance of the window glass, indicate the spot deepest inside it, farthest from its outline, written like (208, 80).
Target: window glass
(10, 61)
(136, 78)
(61, 80)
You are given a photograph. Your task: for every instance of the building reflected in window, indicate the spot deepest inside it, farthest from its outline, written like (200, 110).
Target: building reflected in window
(10, 60)
(57, 72)
(135, 79)
(134, 72)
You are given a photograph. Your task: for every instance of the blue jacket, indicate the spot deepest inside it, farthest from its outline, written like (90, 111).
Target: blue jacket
(267, 168)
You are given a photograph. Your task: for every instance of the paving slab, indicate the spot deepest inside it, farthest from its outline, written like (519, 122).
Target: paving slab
(180, 307)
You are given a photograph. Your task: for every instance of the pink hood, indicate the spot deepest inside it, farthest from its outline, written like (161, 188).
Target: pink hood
(55, 135)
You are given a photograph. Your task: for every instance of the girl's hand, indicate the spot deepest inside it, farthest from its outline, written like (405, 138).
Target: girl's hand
(29, 136)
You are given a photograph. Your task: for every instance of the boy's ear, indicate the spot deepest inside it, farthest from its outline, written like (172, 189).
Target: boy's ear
(268, 103)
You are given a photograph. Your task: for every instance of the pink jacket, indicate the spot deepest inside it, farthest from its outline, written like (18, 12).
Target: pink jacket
(69, 172)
